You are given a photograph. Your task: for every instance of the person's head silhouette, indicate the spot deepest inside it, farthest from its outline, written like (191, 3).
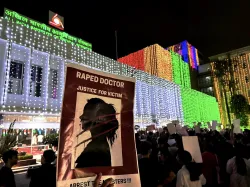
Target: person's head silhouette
(100, 118)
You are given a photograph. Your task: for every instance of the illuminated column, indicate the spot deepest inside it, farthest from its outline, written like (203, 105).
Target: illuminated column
(4, 52)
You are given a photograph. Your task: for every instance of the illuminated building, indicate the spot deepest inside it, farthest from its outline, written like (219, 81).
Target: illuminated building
(240, 66)
(205, 80)
(196, 106)
(188, 53)
(32, 62)
(160, 62)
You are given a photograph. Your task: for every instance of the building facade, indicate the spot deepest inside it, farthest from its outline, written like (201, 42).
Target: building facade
(32, 72)
(180, 67)
(205, 79)
(238, 61)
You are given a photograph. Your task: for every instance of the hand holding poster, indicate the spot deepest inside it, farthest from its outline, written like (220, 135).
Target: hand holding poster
(97, 129)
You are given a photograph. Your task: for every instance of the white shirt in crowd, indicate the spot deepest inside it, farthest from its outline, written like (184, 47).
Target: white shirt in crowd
(237, 180)
(40, 138)
(183, 179)
(34, 140)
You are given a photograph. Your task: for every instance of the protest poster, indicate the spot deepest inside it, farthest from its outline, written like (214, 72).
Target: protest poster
(236, 124)
(151, 128)
(197, 129)
(171, 128)
(209, 125)
(176, 122)
(214, 125)
(97, 129)
(191, 144)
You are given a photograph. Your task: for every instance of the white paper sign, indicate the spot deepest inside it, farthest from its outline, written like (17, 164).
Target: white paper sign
(236, 124)
(191, 144)
(197, 129)
(182, 131)
(176, 122)
(171, 128)
(209, 125)
(171, 142)
(214, 125)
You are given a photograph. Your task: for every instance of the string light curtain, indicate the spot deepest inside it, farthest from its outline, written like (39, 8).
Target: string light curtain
(198, 107)
(188, 52)
(240, 66)
(51, 54)
(154, 60)
(135, 60)
(181, 74)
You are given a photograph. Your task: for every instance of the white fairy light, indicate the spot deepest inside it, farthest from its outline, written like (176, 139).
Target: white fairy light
(153, 96)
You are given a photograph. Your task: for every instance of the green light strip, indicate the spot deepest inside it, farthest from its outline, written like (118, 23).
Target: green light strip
(44, 29)
(181, 74)
(198, 107)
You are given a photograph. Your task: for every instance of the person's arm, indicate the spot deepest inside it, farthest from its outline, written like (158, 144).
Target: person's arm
(180, 180)
(229, 167)
(106, 183)
(232, 135)
(203, 179)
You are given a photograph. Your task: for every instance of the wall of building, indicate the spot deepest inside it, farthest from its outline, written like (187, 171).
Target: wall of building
(40, 56)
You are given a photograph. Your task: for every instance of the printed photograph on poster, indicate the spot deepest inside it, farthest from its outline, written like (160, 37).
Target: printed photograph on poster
(107, 146)
(97, 129)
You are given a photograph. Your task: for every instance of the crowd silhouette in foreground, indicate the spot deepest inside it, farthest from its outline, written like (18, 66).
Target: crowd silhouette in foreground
(163, 162)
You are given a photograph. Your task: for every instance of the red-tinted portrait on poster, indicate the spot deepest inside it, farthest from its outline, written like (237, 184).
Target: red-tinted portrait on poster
(97, 129)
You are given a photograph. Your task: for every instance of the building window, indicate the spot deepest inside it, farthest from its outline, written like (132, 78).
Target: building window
(36, 81)
(244, 65)
(53, 82)
(16, 78)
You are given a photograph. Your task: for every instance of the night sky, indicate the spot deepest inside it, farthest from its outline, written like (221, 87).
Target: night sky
(211, 26)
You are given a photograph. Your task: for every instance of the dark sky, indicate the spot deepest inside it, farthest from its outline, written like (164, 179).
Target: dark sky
(212, 26)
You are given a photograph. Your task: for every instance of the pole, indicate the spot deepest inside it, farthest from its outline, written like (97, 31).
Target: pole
(116, 46)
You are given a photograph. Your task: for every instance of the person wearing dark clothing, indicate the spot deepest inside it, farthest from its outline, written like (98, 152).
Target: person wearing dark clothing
(148, 169)
(7, 178)
(138, 143)
(46, 174)
(167, 174)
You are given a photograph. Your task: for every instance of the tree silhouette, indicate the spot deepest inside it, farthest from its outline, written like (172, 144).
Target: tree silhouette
(240, 108)
(223, 71)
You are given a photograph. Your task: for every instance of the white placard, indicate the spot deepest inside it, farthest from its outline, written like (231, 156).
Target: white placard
(171, 142)
(214, 125)
(191, 144)
(209, 125)
(236, 124)
(197, 129)
(176, 122)
(171, 128)
(182, 131)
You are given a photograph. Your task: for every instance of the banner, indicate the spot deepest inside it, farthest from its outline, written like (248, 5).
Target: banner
(97, 129)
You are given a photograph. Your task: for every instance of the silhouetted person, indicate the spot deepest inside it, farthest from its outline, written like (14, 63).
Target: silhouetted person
(100, 119)
(190, 174)
(7, 178)
(148, 169)
(45, 176)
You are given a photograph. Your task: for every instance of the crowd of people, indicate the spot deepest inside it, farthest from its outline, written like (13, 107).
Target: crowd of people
(163, 162)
